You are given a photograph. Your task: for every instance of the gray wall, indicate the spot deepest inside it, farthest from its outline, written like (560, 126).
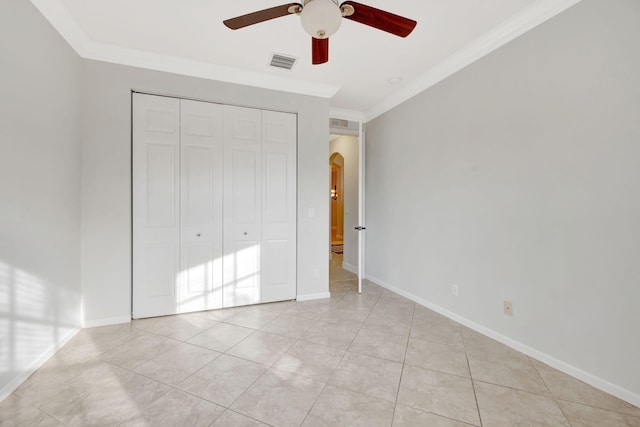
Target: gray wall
(106, 177)
(518, 178)
(39, 191)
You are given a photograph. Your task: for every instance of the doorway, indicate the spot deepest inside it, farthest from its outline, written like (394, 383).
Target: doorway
(344, 198)
(337, 202)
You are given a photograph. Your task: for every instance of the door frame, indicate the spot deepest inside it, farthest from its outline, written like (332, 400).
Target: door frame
(357, 117)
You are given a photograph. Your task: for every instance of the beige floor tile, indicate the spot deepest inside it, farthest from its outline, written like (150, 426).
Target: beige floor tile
(334, 333)
(439, 393)
(393, 309)
(344, 312)
(289, 326)
(424, 314)
(369, 375)
(223, 380)
(496, 363)
(388, 325)
(90, 343)
(502, 406)
(565, 387)
(279, 307)
(176, 364)
(262, 347)
(339, 275)
(39, 390)
(82, 384)
(234, 419)
(445, 332)
(337, 407)
(14, 412)
(253, 318)
(587, 416)
(313, 310)
(139, 350)
(406, 416)
(176, 408)
(378, 344)
(279, 398)
(354, 299)
(438, 357)
(221, 337)
(181, 327)
(109, 404)
(310, 360)
(220, 314)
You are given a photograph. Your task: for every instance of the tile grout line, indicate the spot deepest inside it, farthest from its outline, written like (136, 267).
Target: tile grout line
(555, 400)
(404, 359)
(473, 385)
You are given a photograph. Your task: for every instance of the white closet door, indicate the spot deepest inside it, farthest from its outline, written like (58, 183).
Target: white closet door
(242, 206)
(156, 221)
(279, 206)
(202, 142)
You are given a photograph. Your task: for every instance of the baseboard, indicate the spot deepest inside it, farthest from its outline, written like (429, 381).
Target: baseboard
(106, 322)
(15, 383)
(567, 368)
(310, 297)
(350, 267)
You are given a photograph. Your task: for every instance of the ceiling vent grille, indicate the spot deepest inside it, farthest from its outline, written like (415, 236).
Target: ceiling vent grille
(282, 61)
(339, 123)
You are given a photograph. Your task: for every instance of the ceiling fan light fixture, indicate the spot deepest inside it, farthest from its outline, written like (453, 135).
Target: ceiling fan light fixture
(321, 18)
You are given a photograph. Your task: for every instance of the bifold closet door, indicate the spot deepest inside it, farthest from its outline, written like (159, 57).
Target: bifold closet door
(279, 133)
(242, 205)
(156, 196)
(259, 206)
(177, 205)
(201, 159)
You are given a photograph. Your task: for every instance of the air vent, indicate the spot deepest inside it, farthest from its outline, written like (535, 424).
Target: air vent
(339, 123)
(282, 61)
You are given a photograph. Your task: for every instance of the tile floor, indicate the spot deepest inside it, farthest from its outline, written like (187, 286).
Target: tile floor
(374, 359)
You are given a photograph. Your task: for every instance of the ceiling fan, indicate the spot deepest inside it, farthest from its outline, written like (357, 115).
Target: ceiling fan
(322, 18)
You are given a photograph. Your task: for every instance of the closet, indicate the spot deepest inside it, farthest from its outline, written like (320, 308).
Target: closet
(214, 205)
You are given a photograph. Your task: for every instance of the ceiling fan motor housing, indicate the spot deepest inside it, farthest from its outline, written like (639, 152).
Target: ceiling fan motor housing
(321, 18)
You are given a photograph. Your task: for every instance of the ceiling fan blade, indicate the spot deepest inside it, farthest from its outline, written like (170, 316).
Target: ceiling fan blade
(259, 16)
(319, 51)
(380, 19)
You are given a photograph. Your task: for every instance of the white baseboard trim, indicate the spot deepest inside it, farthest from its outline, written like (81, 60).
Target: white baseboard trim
(15, 383)
(578, 373)
(350, 267)
(106, 322)
(309, 297)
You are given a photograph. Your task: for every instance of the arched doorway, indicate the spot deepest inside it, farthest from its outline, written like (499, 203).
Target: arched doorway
(336, 162)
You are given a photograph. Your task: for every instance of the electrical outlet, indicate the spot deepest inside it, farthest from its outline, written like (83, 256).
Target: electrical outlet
(508, 308)
(316, 273)
(454, 290)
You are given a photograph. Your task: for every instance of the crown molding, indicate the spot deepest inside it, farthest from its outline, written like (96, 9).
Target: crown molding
(529, 18)
(64, 23)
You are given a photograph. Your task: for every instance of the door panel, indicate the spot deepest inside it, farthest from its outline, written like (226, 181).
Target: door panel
(202, 141)
(242, 206)
(245, 187)
(160, 270)
(279, 201)
(156, 219)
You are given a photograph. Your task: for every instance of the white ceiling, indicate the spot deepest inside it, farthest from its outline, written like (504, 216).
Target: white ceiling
(188, 37)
